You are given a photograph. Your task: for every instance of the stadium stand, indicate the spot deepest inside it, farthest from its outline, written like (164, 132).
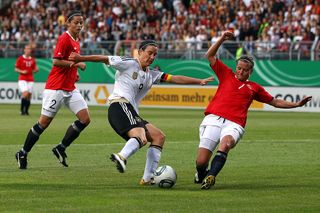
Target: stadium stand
(277, 29)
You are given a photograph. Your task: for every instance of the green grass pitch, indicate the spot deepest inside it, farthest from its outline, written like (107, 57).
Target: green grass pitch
(275, 167)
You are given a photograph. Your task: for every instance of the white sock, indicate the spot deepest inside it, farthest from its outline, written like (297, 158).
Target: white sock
(153, 158)
(131, 147)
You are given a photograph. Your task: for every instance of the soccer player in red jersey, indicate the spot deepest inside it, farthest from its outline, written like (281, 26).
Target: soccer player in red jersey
(60, 90)
(226, 114)
(26, 66)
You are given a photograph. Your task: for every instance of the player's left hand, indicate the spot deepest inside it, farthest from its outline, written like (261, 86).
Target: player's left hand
(206, 80)
(81, 65)
(304, 101)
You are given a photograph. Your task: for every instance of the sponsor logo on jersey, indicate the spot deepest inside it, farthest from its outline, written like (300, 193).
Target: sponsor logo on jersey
(134, 75)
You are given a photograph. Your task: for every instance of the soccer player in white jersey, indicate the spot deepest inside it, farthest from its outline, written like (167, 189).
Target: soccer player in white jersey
(133, 80)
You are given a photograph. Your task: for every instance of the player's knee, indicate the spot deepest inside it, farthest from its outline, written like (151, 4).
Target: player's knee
(44, 123)
(86, 121)
(159, 139)
(227, 145)
(162, 138)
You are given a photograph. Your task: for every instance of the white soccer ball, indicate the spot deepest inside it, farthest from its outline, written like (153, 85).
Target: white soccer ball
(165, 176)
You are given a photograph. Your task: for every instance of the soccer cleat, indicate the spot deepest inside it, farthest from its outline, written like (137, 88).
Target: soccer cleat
(21, 158)
(119, 161)
(60, 153)
(208, 182)
(151, 182)
(196, 178)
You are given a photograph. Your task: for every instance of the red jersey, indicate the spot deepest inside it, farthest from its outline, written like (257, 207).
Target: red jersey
(63, 78)
(28, 64)
(233, 97)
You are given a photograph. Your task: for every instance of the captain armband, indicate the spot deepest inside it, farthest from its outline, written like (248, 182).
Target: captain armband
(166, 77)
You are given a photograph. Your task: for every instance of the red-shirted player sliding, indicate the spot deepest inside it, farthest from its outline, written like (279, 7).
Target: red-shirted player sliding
(26, 66)
(226, 114)
(60, 90)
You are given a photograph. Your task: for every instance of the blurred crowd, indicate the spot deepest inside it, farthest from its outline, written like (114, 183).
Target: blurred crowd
(177, 23)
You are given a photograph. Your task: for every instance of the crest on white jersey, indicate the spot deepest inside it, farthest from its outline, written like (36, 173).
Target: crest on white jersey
(134, 75)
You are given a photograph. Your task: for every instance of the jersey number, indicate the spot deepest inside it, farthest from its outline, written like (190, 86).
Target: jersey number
(140, 87)
(52, 106)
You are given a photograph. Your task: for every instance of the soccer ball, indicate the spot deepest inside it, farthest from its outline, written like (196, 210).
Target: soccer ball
(165, 176)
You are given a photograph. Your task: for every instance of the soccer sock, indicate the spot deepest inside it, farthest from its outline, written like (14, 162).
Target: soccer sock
(131, 147)
(32, 137)
(153, 158)
(27, 105)
(23, 105)
(72, 133)
(202, 171)
(217, 163)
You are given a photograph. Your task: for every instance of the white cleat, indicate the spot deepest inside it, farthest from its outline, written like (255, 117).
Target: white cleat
(120, 162)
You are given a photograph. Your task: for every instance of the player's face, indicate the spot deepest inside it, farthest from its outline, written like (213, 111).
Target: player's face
(147, 56)
(75, 25)
(243, 70)
(27, 51)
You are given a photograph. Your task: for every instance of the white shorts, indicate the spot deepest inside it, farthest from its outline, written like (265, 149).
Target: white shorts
(214, 127)
(25, 86)
(54, 99)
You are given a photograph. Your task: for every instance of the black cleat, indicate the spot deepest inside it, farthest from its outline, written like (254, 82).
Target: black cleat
(119, 161)
(21, 158)
(59, 152)
(199, 180)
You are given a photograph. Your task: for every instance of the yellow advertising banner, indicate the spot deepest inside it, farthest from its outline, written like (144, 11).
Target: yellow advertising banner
(183, 97)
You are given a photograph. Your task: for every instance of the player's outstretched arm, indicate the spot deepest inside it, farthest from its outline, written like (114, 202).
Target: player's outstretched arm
(180, 79)
(75, 57)
(279, 103)
(65, 63)
(212, 51)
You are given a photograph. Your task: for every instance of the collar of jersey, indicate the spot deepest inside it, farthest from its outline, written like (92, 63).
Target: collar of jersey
(70, 35)
(147, 68)
(24, 56)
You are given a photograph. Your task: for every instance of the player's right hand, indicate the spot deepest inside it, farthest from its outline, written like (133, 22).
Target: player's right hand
(74, 57)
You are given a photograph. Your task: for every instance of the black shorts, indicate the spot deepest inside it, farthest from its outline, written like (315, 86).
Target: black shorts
(122, 117)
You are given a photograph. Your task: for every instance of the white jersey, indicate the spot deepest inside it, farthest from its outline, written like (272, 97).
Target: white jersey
(131, 82)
